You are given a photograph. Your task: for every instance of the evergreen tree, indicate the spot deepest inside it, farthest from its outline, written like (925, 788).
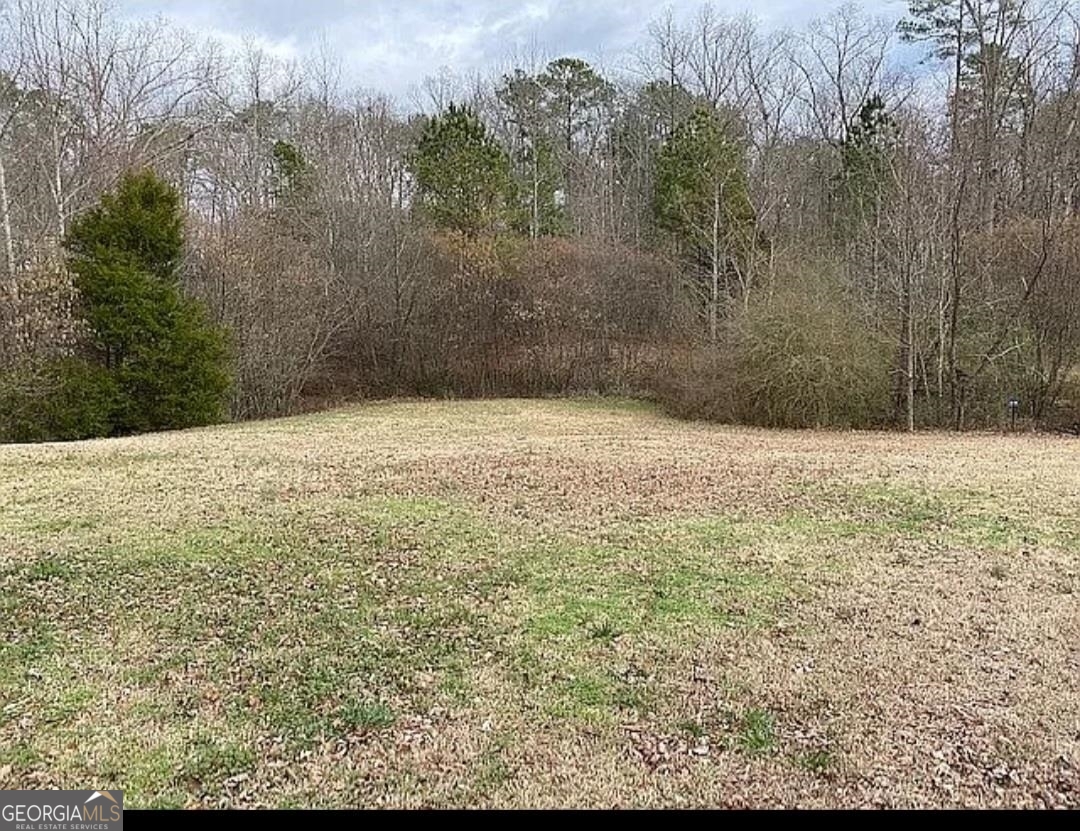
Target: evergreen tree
(543, 212)
(292, 172)
(139, 223)
(639, 132)
(865, 155)
(462, 174)
(703, 200)
(168, 362)
(575, 98)
(977, 37)
(942, 23)
(540, 176)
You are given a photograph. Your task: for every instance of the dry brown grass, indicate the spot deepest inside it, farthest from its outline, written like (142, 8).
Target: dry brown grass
(542, 604)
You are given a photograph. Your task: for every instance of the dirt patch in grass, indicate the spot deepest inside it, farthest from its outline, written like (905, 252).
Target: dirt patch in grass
(515, 603)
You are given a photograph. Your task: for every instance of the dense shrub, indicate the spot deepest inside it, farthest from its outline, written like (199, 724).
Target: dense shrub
(699, 384)
(806, 359)
(60, 400)
(181, 380)
(800, 356)
(169, 363)
(493, 316)
(1066, 414)
(150, 359)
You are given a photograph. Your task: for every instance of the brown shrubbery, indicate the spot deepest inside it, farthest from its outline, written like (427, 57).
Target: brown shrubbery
(798, 356)
(505, 316)
(281, 305)
(439, 314)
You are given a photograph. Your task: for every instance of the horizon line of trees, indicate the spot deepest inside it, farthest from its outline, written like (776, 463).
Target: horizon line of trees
(788, 228)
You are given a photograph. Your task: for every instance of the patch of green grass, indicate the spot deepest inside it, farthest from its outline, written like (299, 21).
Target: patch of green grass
(154, 801)
(757, 731)
(403, 511)
(20, 754)
(594, 696)
(49, 569)
(968, 516)
(609, 404)
(35, 642)
(704, 535)
(821, 761)
(357, 716)
(150, 777)
(691, 728)
(492, 770)
(303, 706)
(454, 681)
(151, 711)
(603, 631)
(210, 761)
(216, 547)
(798, 525)
(70, 701)
(156, 668)
(600, 618)
(991, 529)
(298, 725)
(584, 589)
(64, 525)
(589, 691)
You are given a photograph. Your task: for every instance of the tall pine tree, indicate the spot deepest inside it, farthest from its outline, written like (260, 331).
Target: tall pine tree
(462, 175)
(702, 199)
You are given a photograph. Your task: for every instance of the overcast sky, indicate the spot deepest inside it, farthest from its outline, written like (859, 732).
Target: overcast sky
(391, 45)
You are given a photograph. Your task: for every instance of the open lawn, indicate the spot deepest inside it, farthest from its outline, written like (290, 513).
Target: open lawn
(519, 603)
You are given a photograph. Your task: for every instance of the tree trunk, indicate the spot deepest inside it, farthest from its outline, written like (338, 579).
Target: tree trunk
(58, 185)
(909, 351)
(535, 224)
(9, 239)
(956, 393)
(714, 310)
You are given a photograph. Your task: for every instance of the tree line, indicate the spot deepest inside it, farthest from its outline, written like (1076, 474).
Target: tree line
(854, 223)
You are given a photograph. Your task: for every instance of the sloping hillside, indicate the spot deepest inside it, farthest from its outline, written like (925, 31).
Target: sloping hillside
(542, 603)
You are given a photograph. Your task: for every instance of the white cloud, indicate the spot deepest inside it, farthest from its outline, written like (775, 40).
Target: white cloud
(392, 46)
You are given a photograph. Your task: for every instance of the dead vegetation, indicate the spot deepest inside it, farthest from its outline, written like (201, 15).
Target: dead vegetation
(542, 604)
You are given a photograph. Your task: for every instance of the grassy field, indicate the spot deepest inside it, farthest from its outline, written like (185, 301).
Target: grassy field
(542, 604)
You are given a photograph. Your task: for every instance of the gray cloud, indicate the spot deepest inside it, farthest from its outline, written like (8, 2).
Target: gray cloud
(391, 46)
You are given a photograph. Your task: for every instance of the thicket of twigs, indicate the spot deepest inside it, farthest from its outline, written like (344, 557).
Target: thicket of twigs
(788, 228)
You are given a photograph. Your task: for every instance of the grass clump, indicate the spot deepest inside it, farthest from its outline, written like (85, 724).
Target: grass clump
(757, 731)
